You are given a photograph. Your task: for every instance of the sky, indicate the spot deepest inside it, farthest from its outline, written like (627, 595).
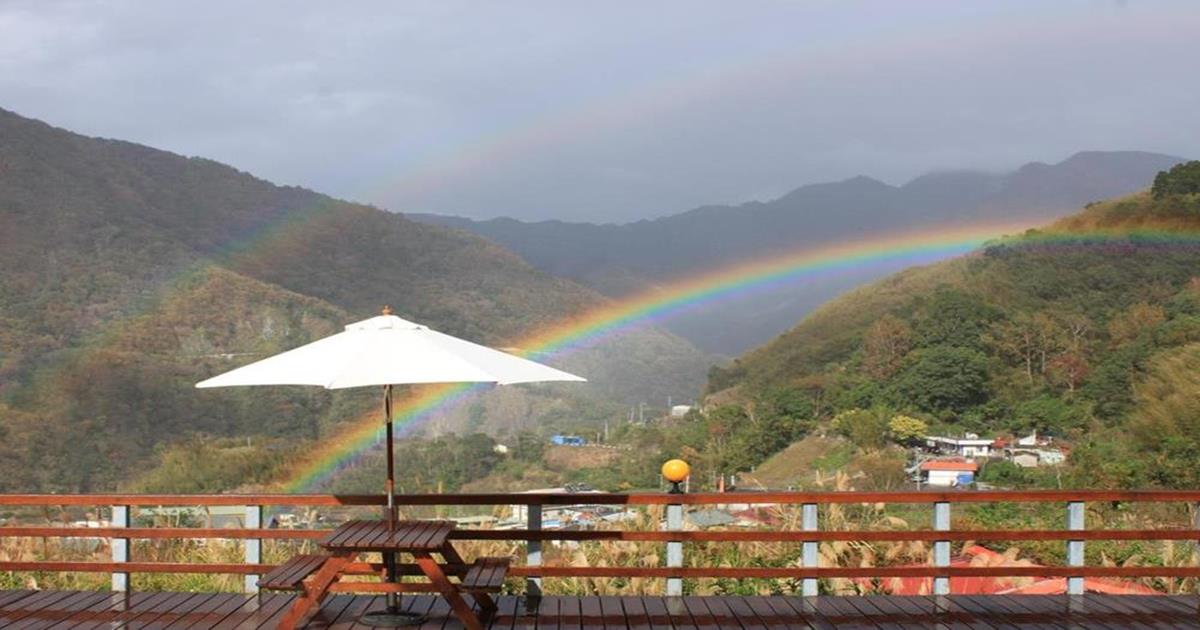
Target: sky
(611, 111)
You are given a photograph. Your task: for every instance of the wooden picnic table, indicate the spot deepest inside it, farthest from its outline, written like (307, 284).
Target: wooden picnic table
(316, 574)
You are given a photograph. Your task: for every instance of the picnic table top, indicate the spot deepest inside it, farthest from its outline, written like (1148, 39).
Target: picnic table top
(376, 535)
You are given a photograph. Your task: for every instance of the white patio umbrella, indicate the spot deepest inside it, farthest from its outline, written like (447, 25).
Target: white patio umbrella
(385, 351)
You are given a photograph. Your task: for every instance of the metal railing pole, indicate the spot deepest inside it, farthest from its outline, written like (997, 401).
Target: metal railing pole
(254, 520)
(809, 548)
(120, 547)
(674, 548)
(533, 548)
(1075, 522)
(941, 548)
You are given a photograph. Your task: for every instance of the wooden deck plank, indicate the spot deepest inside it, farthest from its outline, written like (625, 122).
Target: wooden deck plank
(234, 606)
(330, 610)
(7, 597)
(32, 605)
(1168, 612)
(147, 616)
(212, 610)
(724, 616)
(739, 608)
(76, 610)
(119, 606)
(59, 611)
(613, 613)
(259, 608)
(864, 615)
(548, 611)
(1130, 613)
(1184, 604)
(182, 611)
(636, 617)
(1022, 615)
(886, 614)
(702, 615)
(656, 612)
(590, 616)
(792, 612)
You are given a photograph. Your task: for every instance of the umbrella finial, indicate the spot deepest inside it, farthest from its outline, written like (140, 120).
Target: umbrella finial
(387, 310)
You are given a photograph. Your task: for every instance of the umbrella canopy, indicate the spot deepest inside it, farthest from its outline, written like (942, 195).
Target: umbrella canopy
(388, 350)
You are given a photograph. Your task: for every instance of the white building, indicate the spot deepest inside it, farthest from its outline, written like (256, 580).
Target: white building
(948, 473)
(970, 446)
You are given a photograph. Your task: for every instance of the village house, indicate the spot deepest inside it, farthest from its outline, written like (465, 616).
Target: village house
(948, 473)
(969, 446)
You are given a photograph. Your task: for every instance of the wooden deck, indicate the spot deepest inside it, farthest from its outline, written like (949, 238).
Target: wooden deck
(87, 609)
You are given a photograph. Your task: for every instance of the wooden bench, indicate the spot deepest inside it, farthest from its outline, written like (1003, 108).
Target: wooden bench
(486, 575)
(290, 575)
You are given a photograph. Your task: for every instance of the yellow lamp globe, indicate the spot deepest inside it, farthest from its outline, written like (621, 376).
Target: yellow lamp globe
(675, 470)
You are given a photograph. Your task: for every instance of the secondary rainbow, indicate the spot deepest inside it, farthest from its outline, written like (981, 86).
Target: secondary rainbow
(652, 306)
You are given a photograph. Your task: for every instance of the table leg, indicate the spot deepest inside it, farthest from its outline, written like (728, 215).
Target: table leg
(485, 601)
(315, 589)
(448, 590)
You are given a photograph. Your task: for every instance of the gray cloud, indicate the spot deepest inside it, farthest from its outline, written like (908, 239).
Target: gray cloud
(609, 112)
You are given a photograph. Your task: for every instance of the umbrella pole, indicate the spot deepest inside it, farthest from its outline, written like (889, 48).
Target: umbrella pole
(393, 600)
(392, 615)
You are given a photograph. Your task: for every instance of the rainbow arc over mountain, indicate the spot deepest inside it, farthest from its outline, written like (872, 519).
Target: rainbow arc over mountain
(573, 334)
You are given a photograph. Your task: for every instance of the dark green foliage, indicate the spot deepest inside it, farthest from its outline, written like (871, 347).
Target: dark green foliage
(1050, 415)
(1004, 474)
(441, 464)
(953, 318)
(1076, 331)
(1182, 179)
(943, 379)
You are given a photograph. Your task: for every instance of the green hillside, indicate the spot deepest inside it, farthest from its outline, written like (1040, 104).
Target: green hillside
(127, 274)
(1087, 330)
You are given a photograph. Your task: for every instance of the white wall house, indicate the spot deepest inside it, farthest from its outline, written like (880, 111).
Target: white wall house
(948, 473)
(970, 446)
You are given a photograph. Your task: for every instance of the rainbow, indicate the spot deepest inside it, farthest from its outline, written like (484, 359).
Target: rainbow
(652, 306)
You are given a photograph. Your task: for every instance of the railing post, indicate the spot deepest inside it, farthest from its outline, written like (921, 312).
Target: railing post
(254, 520)
(120, 547)
(941, 548)
(1075, 522)
(533, 548)
(809, 549)
(674, 548)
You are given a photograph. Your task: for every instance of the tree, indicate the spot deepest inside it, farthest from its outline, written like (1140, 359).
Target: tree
(944, 378)
(1016, 338)
(868, 429)
(885, 345)
(1137, 319)
(1069, 369)
(1182, 179)
(906, 429)
(954, 318)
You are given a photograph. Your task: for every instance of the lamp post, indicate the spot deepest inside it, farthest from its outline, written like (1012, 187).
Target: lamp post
(675, 471)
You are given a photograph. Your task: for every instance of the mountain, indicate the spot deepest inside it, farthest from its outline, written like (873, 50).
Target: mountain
(620, 259)
(1087, 330)
(128, 273)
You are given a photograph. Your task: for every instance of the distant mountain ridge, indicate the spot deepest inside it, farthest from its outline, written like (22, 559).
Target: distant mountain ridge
(619, 259)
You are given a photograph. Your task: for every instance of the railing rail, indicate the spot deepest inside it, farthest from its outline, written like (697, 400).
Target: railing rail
(672, 534)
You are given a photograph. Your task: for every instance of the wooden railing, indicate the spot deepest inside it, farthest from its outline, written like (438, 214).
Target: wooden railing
(809, 536)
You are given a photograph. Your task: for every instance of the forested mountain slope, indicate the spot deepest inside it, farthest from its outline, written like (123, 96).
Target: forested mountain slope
(128, 273)
(618, 259)
(1088, 330)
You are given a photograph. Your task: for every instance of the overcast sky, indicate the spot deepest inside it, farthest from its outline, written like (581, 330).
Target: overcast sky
(607, 111)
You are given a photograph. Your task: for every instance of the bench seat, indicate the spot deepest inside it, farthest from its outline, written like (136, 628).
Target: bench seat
(290, 575)
(486, 575)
